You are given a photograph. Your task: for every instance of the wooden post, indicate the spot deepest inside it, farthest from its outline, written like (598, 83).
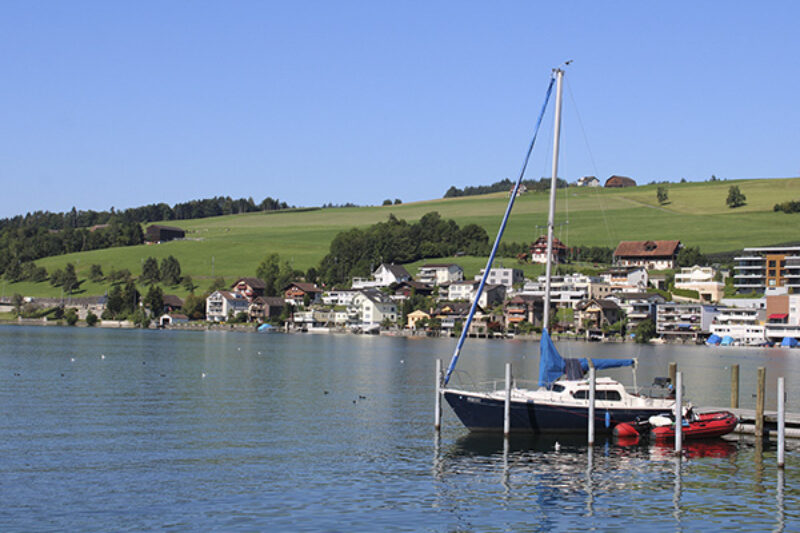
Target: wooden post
(760, 402)
(678, 412)
(735, 386)
(507, 406)
(437, 417)
(781, 422)
(673, 369)
(592, 382)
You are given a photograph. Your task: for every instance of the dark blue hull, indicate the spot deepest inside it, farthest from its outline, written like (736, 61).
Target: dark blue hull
(486, 414)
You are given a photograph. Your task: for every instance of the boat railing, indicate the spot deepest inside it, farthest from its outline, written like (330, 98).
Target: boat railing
(462, 379)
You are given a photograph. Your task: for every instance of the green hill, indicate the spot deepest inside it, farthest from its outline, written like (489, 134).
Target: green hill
(233, 246)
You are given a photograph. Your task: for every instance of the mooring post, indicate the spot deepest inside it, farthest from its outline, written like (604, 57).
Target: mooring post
(678, 412)
(673, 369)
(507, 406)
(437, 417)
(781, 422)
(592, 382)
(762, 374)
(735, 386)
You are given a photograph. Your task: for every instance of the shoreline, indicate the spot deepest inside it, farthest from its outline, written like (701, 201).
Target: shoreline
(250, 328)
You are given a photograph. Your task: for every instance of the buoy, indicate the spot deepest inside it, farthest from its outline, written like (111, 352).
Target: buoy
(625, 430)
(557, 446)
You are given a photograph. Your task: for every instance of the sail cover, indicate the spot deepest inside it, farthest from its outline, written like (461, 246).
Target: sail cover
(552, 366)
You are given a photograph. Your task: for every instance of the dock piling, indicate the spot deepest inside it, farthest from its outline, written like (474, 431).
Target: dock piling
(759, 429)
(437, 417)
(678, 412)
(673, 369)
(735, 386)
(507, 406)
(781, 422)
(592, 381)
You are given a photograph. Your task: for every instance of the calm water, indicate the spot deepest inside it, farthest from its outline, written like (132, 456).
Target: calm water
(141, 439)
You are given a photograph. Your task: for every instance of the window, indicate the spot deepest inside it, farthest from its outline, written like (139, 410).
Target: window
(607, 395)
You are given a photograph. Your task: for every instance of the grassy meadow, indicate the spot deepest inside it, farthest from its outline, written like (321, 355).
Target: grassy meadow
(233, 246)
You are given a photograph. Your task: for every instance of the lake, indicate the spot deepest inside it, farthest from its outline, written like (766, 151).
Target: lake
(128, 430)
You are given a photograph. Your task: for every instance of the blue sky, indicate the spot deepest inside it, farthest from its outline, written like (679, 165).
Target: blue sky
(123, 104)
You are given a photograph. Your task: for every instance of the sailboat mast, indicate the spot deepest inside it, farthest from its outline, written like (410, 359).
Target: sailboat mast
(553, 182)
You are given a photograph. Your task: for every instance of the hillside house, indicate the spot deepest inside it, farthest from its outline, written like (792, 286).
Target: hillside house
(222, 304)
(170, 319)
(652, 255)
(759, 269)
(700, 279)
(686, 322)
(440, 273)
(338, 296)
(466, 291)
(539, 250)
(524, 308)
(296, 292)
(593, 314)
(384, 276)
(370, 307)
(263, 308)
(626, 279)
(414, 317)
(172, 303)
(250, 288)
(507, 277)
(407, 288)
(637, 306)
(588, 181)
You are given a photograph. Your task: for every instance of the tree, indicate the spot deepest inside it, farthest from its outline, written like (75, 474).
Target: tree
(645, 331)
(268, 272)
(188, 284)
(662, 195)
(114, 301)
(217, 285)
(69, 280)
(130, 298)
(17, 300)
(96, 273)
(690, 256)
(194, 307)
(170, 271)
(71, 316)
(154, 300)
(91, 319)
(398, 201)
(735, 197)
(150, 272)
(140, 318)
(387, 202)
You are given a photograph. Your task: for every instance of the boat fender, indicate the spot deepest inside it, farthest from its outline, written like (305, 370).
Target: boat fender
(659, 420)
(608, 420)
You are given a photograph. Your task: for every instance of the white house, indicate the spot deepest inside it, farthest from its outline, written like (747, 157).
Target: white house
(565, 291)
(168, 319)
(220, 304)
(700, 279)
(440, 273)
(466, 290)
(588, 181)
(684, 321)
(503, 276)
(631, 279)
(744, 325)
(338, 296)
(383, 276)
(370, 307)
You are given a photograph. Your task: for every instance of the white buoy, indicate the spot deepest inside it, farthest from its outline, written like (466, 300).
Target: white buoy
(71, 359)
(102, 356)
(203, 375)
(557, 447)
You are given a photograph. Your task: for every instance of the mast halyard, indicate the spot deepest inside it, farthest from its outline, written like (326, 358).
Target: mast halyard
(559, 73)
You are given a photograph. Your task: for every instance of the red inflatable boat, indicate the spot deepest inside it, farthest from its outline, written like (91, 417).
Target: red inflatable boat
(700, 426)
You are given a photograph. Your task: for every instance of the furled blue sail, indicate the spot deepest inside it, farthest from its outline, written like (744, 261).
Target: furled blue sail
(552, 366)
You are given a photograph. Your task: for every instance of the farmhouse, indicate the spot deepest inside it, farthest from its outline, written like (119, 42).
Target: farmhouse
(652, 255)
(539, 250)
(620, 181)
(156, 233)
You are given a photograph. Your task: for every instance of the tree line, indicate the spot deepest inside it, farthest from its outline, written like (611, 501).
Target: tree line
(506, 185)
(44, 234)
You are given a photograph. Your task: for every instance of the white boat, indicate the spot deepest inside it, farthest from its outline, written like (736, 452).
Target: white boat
(556, 404)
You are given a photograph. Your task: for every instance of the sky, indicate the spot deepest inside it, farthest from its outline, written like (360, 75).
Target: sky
(129, 103)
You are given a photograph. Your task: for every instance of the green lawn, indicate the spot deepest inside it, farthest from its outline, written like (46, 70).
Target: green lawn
(233, 246)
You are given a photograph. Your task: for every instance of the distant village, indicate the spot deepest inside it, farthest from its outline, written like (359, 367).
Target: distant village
(629, 299)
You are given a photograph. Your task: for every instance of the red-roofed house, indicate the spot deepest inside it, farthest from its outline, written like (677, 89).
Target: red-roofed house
(539, 250)
(652, 255)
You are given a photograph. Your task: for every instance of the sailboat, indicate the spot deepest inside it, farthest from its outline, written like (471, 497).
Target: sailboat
(560, 403)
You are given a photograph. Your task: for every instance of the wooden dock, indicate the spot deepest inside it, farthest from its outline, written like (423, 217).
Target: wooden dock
(747, 421)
